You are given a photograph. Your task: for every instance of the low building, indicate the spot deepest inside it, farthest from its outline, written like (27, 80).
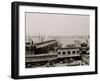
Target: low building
(68, 52)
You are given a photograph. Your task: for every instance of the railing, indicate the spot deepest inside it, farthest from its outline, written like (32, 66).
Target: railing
(39, 59)
(43, 57)
(68, 55)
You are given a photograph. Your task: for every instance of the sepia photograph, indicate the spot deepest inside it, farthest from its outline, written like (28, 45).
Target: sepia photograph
(50, 40)
(56, 40)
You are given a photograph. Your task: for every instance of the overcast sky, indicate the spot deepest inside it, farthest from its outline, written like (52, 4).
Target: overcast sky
(56, 24)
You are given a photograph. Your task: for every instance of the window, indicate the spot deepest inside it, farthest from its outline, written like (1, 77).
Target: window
(77, 51)
(83, 52)
(73, 52)
(68, 52)
(64, 52)
(59, 52)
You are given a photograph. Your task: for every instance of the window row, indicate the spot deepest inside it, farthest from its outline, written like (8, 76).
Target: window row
(68, 52)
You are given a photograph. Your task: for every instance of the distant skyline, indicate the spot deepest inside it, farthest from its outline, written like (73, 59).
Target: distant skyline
(56, 24)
